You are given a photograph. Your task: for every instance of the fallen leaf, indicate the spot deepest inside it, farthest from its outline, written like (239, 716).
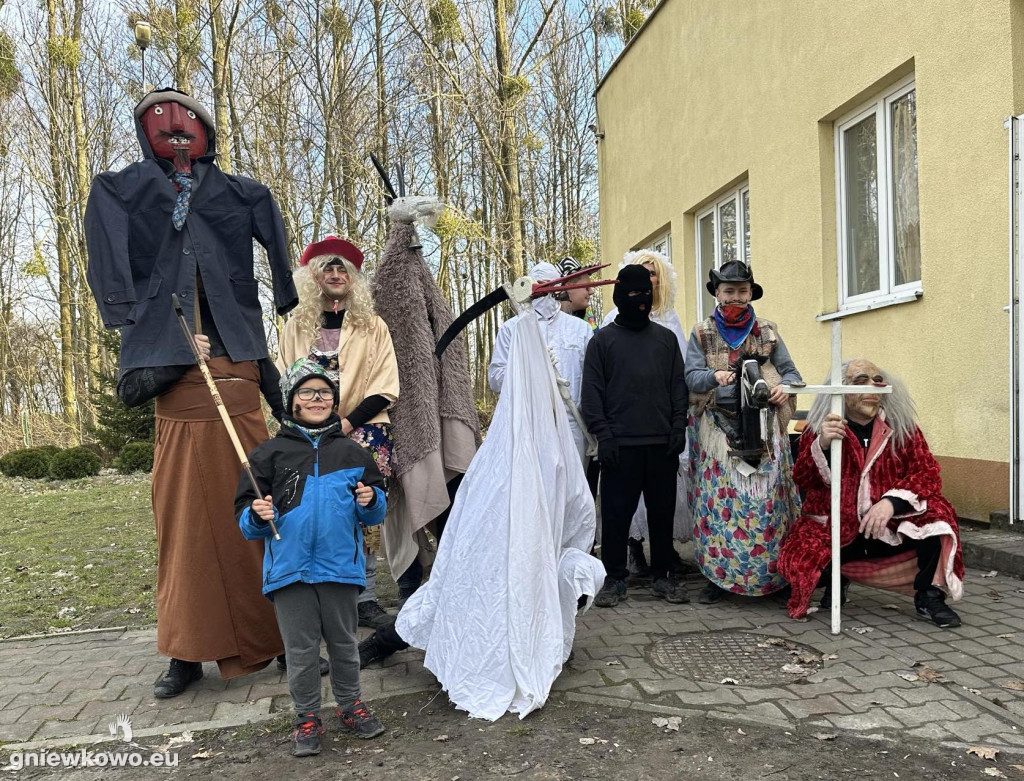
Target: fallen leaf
(891, 607)
(740, 732)
(983, 752)
(612, 664)
(929, 675)
(829, 657)
(991, 771)
(206, 754)
(671, 723)
(730, 682)
(1017, 686)
(796, 669)
(863, 630)
(1007, 636)
(995, 596)
(180, 740)
(909, 676)
(990, 574)
(586, 741)
(441, 739)
(825, 735)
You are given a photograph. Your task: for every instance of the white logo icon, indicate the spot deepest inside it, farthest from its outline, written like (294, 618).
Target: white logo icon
(123, 723)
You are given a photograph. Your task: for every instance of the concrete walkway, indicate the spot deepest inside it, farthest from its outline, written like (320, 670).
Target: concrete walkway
(645, 654)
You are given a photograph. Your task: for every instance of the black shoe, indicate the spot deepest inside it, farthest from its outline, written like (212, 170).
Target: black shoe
(671, 590)
(371, 615)
(308, 730)
(179, 675)
(637, 561)
(710, 594)
(358, 720)
(679, 567)
(931, 605)
(282, 665)
(611, 593)
(370, 651)
(844, 587)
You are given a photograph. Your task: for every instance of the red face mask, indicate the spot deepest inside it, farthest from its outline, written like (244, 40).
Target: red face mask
(175, 133)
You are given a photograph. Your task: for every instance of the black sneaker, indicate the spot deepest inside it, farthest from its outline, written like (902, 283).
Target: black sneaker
(931, 605)
(358, 720)
(671, 590)
(282, 665)
(371, 615)
(637, 561)
(308, 730)
(370, 651)
(710, 594)
(177, 678)
(611, 593)
(844, 587)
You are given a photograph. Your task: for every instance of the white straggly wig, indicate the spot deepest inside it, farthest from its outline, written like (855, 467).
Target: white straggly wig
(358, 302)
(665, 292)
(897, 408)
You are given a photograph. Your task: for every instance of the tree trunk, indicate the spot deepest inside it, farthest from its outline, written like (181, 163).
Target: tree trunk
(511, 228)
(219, 46)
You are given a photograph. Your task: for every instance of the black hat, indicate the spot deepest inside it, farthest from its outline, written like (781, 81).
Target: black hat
(734, 271)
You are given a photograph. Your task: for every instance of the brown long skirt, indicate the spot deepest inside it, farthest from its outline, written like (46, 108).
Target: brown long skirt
(208, 596)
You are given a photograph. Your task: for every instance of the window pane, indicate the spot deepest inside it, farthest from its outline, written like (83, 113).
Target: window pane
(727, 221)
(906, 217)
(746, 225)
(861, 191)
(706, 228)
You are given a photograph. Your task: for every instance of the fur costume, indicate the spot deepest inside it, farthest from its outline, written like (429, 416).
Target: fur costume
(907, 471)
(436, 427)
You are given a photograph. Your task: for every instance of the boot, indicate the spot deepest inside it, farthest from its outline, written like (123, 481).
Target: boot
(177, 678)
(371, 615)
(637, 562)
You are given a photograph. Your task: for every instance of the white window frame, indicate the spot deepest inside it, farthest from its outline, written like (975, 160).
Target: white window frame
(735, 195)
(888, 291)
(662, 244)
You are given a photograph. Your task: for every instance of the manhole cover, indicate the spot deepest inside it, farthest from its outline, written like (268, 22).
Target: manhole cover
(735, 657)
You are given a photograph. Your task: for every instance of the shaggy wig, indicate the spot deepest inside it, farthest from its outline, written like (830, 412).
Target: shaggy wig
(358, 303)
(897, 408)
(665, 292)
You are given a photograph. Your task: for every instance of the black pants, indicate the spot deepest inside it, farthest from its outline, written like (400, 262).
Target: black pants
(929, 551)
(647, 470)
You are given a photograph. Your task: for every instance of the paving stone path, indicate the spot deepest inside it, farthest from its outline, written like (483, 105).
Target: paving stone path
(66, 689)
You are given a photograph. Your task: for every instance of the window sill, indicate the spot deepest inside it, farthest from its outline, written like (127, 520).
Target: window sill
(893, 299)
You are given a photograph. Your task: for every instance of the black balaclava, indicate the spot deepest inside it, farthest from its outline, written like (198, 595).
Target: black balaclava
(634, 310)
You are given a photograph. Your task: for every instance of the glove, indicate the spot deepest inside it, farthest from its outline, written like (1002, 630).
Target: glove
(676, 442)
(608, 453)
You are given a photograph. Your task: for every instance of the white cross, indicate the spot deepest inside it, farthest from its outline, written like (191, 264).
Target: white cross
(837, 390)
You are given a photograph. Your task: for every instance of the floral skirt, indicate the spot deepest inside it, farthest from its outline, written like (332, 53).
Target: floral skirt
(379, 440)
(739, 520)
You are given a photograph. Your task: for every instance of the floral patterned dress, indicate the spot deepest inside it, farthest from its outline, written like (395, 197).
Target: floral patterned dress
(739, 517)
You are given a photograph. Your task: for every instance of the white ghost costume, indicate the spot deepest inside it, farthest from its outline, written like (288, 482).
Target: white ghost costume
(497, 617)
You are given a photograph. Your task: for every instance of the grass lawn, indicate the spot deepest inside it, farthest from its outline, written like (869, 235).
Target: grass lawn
(81, 554)
(77, 554)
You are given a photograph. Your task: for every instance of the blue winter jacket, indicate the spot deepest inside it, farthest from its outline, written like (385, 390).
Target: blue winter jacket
(312, 483)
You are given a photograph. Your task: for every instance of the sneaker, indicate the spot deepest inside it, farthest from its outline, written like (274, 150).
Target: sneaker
(371, 615)
(710, 594)
(611, 593)
(931, 605)
(282, 665)
(637, 561)
(177, 678)
(358, 720)
(308, 730)
(370, 651)
(826, 599)
(671, 590)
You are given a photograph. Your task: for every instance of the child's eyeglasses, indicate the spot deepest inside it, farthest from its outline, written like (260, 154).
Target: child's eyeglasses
(308, 394)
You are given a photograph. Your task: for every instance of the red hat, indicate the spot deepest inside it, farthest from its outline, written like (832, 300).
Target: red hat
(332, 245)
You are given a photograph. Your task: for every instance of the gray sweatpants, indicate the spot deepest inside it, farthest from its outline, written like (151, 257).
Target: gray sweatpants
(305, 613)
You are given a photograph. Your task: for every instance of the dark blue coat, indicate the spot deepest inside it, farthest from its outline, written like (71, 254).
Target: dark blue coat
(137, 258)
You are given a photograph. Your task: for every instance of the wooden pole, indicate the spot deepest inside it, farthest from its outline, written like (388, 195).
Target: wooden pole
(836, 469)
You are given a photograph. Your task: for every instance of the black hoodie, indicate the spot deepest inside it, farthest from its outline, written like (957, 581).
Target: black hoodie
(137, 258)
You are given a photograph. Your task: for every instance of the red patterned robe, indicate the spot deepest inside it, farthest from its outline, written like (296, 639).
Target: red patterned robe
(910, 473)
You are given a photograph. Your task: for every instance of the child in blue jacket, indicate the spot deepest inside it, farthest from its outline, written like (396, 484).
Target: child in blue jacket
(321, 489)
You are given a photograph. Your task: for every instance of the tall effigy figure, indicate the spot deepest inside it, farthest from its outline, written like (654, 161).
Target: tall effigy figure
(175, 223)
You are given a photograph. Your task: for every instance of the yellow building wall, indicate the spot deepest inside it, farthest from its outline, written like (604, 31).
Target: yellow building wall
(712, 92)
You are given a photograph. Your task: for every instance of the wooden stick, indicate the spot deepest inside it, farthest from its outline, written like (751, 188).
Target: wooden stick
(219, 403)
